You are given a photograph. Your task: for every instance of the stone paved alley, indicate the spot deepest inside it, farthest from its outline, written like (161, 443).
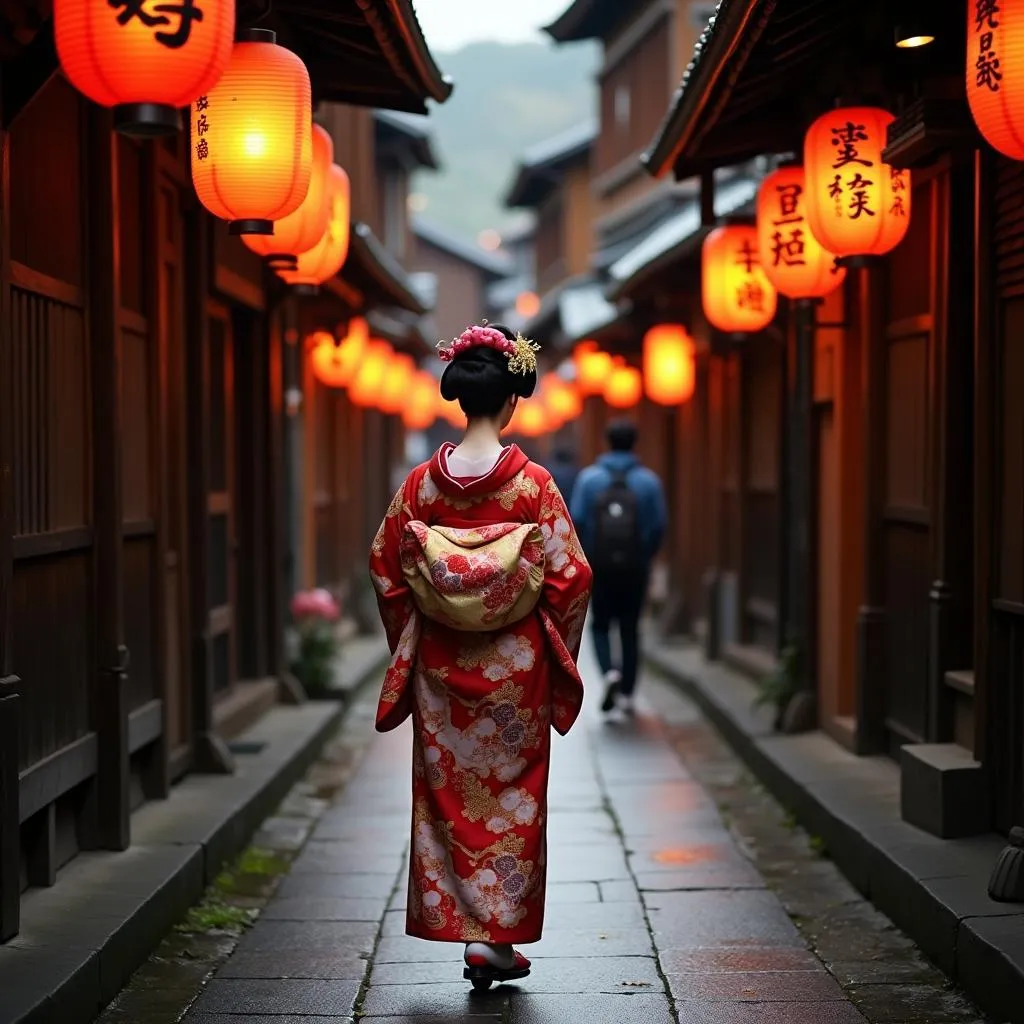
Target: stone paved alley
(671, 874)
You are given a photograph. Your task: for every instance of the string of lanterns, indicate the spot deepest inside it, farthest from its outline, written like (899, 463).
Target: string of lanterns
(258, 161)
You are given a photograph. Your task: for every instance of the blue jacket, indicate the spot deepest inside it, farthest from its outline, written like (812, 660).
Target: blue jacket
(596, 479)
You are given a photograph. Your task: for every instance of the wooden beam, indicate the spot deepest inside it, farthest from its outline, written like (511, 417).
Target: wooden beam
(110, 679)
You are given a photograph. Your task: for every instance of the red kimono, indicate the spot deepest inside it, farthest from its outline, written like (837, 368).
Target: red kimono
(482, 702)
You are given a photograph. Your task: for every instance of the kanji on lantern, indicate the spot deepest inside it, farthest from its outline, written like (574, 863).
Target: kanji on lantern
(147, 59)
(995, 72)
(793, 259)
(256, 122)
(738, 297)
(856, 204)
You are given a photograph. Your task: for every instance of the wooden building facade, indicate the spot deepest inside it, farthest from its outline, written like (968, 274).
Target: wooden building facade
(142, 472)
(902, 470)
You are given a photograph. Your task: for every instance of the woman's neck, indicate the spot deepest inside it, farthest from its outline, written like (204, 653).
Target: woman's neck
(482, 438)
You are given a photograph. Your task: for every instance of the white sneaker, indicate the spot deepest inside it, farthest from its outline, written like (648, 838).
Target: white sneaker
(611, 688)
(627, 706)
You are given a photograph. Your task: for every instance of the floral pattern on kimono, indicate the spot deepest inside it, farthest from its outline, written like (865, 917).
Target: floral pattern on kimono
(483, 704)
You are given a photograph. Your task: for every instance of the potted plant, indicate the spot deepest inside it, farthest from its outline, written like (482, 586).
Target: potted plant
(315, 614)
(779, 688)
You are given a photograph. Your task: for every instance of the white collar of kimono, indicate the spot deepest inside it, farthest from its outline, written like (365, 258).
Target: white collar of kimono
(457, 484)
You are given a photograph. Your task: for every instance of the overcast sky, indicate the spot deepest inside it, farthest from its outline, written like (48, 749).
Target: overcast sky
(450, 24)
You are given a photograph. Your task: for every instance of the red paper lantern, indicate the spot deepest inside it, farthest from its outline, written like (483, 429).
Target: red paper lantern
(856, 204)
(327, 257)
(995, 80)
(335, 361)
(624, 387)
(794, 260)
(669, 372)
(394, 391)
(593, 368)
(529, 420)
(304, 228)
(737, 296)
(252, 137)
(420, 410)
(562, 400)
(146, 64)
(368, 382)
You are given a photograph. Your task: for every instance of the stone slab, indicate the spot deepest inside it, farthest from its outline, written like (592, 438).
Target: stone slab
(853, 805)
(256, 996)
(556, 1009)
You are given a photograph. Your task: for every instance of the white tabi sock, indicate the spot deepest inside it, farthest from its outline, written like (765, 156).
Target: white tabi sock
(500, 956)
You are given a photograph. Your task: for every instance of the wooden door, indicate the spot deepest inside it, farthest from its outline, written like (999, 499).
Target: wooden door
(220, 504)
(1005, 540)
(906, 512)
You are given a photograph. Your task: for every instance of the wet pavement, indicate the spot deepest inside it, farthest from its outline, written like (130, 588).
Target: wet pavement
(678, 892)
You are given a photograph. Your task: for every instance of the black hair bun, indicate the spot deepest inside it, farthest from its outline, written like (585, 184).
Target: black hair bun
(479, 379)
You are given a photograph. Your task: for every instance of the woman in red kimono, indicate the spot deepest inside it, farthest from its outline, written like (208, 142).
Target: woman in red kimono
(483, 588)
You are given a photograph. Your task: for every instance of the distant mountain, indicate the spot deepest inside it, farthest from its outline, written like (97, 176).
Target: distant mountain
(506, 99)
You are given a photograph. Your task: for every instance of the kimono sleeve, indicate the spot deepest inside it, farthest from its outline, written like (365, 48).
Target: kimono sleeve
(397, 611)
(563, 607)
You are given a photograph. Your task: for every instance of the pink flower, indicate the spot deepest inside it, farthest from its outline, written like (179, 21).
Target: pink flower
(315, 604)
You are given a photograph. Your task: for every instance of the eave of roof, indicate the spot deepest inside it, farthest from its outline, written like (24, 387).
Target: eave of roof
(369, 53)
(677, 238)
(493, 265)
(725, 44)
(542, 166)
(587, 19)
(411, 132)
(377, 274)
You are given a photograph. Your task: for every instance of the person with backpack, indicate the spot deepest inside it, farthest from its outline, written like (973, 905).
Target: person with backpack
(618, 507)
(483, 589)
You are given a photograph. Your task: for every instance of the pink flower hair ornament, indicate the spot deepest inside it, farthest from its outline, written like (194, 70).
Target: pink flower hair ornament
(521, 353)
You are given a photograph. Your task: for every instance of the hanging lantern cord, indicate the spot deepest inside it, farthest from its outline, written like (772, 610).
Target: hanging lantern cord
(256, 10)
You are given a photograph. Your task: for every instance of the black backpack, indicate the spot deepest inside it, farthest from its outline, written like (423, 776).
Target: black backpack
(618, 543)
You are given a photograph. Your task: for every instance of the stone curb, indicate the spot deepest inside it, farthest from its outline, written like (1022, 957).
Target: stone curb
(978, 943)
(83, 939)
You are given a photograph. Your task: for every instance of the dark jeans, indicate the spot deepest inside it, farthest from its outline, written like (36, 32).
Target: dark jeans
(618, 601)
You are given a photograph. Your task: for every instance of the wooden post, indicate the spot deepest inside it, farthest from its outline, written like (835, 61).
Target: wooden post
(210, 753)
(985, 711)
(110, 699)
(951, 595)
(800, 505)
(871, 642)
(10, 699)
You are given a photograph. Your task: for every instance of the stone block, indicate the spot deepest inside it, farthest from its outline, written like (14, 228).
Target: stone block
(943, 790)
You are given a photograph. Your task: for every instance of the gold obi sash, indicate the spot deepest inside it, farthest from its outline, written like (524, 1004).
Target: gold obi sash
(475, 580)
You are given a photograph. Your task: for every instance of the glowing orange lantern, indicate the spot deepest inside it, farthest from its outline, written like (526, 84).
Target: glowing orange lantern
(327, 257)
(368, 382)
(593, 368)
(335, 361)
(394, 391)
(420, 410)
(562, 400)
(624, 387)
(451, 413)
(529, 420)
(302, 229)
(794, 260)
(669, 372)
(737, 296)
(252, 137)
(527, 304)
(856, 204)
(995, 88)
(147, 65)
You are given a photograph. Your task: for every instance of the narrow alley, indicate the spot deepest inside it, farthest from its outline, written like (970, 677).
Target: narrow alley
(670, 878)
